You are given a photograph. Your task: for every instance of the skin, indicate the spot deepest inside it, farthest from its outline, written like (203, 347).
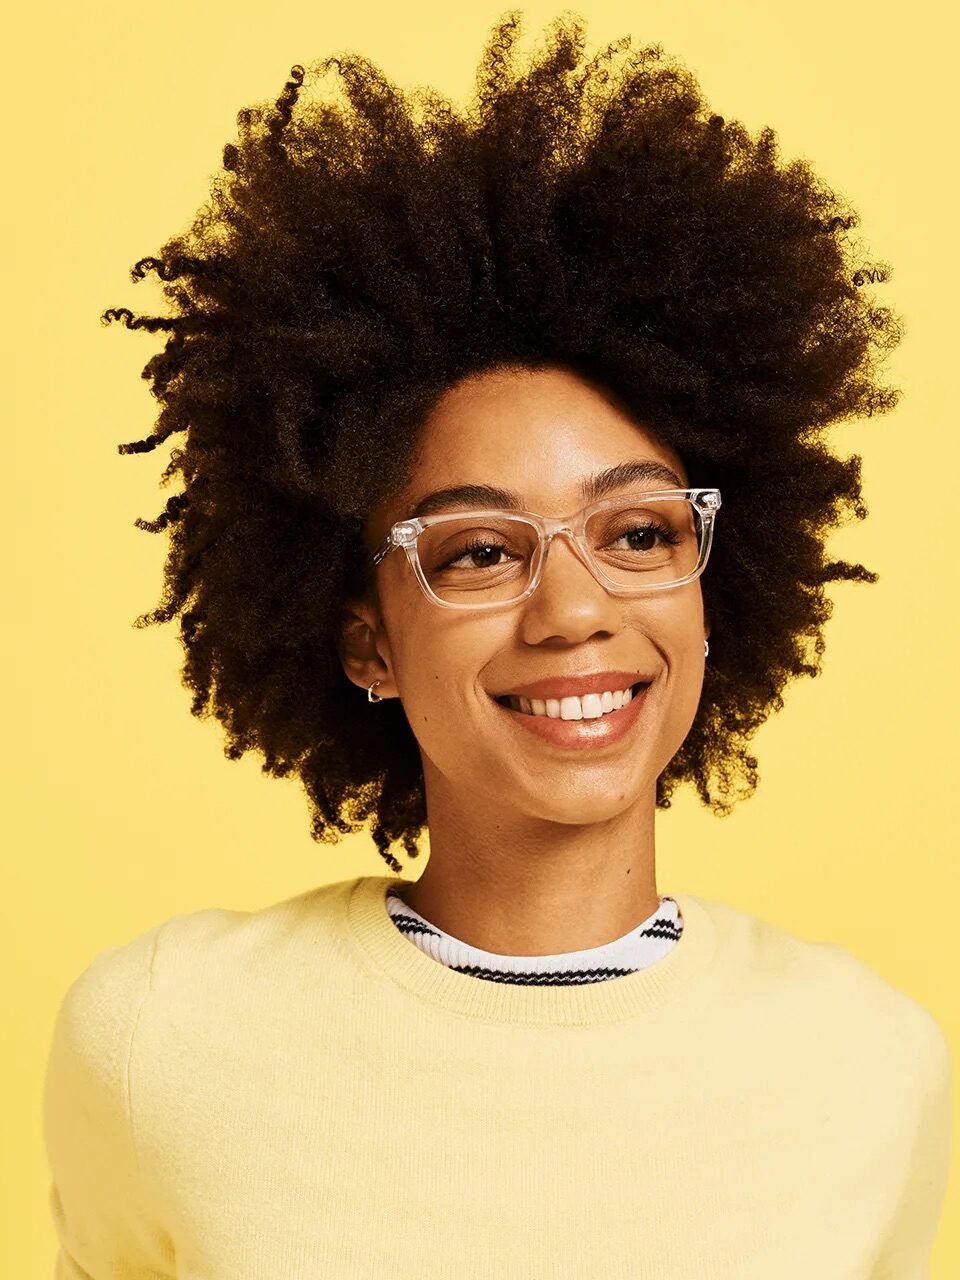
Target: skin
(534, 850)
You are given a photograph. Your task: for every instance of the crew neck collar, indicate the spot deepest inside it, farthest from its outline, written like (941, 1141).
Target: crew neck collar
(397, 959)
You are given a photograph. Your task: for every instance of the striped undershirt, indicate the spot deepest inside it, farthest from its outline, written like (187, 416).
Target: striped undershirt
(648, 942)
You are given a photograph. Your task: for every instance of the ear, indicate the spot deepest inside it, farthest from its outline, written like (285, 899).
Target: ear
(363, 647)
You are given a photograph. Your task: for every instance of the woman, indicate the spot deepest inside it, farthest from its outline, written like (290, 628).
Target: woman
(505, 507)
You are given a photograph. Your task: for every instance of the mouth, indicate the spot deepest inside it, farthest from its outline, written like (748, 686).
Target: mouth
(561, 723)
(574, 711)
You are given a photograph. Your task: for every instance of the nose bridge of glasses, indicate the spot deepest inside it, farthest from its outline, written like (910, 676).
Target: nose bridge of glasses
(575, 541)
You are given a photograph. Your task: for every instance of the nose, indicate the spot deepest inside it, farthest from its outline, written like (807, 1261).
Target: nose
(569, 597)
(564, 547)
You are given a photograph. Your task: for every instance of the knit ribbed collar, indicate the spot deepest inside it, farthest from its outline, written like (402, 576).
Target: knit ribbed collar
(643, 945)
(396, 960)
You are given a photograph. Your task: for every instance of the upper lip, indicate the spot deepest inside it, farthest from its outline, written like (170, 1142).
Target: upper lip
(577, 686)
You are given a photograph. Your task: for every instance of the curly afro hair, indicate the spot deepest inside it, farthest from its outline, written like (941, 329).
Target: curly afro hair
(358, 256)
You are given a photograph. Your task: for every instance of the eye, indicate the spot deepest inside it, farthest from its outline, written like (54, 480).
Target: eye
(476, 547)
(656, 528)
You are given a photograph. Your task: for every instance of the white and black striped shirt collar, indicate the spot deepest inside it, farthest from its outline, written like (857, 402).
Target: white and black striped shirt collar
(648, 942)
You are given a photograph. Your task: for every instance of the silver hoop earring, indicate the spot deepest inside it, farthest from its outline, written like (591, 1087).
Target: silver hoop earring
(371, 696)
(706, 648)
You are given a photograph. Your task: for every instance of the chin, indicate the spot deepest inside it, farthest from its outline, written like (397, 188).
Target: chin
(588, 808)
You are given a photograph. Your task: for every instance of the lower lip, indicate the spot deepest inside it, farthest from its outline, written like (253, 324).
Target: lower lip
(596, 732)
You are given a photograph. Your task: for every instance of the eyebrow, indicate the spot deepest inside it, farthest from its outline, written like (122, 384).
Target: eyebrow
(592, 488)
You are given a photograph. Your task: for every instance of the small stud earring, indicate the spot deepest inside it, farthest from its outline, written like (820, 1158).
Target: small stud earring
(371, 696)
(706, 648)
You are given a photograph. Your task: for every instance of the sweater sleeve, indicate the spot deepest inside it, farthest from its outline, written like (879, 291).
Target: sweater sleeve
(105, 1214)
(907, 1247)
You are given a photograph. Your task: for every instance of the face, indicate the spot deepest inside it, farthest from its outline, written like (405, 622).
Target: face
(538, 433)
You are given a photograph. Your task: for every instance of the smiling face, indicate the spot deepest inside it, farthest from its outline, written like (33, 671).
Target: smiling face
(539, 433)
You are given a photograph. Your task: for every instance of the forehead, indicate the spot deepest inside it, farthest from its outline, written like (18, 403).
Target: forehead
(538, 432)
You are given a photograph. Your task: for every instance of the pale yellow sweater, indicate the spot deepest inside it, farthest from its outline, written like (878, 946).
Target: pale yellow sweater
(300, 1091)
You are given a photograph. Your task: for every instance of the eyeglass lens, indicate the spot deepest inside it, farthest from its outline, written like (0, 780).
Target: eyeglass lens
(476, 558)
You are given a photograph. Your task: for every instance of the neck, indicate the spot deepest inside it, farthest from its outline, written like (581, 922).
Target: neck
(516, 885)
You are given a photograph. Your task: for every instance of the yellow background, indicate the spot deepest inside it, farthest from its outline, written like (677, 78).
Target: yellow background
(120, 809)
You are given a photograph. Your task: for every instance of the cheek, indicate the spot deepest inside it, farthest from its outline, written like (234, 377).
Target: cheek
(671, 625)
(687, 676)
(442, 705)
(438, 677)
(674, 626)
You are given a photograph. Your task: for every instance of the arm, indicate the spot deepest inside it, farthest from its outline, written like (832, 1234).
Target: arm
(905, 1254)
(102, 1205)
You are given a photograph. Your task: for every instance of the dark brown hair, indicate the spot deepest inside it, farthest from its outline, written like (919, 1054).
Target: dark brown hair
(357, 257)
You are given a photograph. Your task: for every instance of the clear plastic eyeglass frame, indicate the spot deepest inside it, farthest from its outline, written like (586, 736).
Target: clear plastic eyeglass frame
(406, 532)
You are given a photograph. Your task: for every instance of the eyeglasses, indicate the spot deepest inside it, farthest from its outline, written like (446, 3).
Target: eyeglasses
(634, 543)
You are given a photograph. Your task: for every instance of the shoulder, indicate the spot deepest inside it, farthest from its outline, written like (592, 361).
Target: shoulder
(827, 990)
(183, 955)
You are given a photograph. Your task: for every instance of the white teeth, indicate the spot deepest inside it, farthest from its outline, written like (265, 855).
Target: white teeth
(579, 708)
(590, 707)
